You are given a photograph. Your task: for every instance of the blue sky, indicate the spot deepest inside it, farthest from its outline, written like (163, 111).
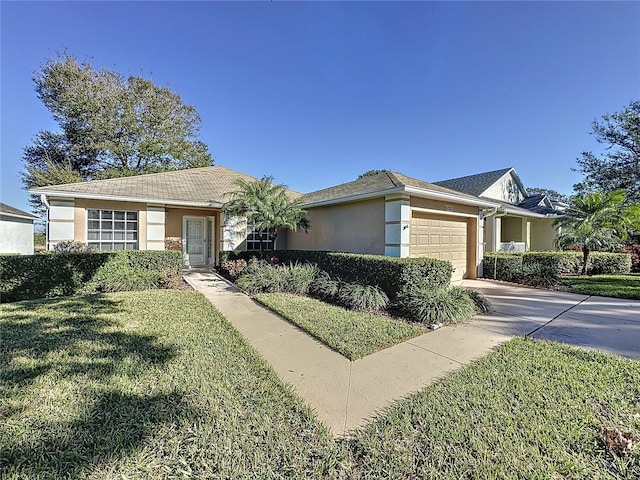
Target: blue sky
(317, 93)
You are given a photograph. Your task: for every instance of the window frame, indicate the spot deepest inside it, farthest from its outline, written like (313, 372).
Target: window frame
(258, 238)
(128, 220)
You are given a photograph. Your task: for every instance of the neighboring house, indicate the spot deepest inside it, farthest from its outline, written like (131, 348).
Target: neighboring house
(399, 216)
(522, 222)
(178, 210)
(16, 230)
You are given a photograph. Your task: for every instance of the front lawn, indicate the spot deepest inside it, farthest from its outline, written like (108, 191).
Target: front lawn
(620, 286)
(159, 385)
(528, 410)
(353, 334)
(145, 385)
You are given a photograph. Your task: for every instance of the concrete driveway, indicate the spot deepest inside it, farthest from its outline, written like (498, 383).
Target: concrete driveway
(608, 324)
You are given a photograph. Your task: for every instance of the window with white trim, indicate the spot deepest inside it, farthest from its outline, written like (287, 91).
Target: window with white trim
(112, 229)
(258, 239)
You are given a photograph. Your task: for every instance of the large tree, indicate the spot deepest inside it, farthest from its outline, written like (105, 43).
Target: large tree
(619, 166)
(267, 207)
(110, 126)
(597, 221)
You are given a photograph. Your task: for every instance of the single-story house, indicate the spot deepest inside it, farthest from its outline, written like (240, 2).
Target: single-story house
(523, 222)
(16, 230)
(386, 214)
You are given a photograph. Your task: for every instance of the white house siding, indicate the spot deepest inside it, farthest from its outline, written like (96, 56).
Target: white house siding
(16, 235)
(155, 228)
(60, 223)
(505, 189)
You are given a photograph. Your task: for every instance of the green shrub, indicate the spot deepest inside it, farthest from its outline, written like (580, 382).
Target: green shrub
(443, 305)
(356, 296)
(539, 267)
(262, 277)
(537, 275)
(603, 263)
(300, 277)
(391, 274)
(483, 305)
(71, 246)
(325, 288)
(501, 266)
(54, 274)
(560, 262)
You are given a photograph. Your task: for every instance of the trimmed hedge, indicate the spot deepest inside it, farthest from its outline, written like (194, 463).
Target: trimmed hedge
(54, 274)
(508, 266)
(391, 274)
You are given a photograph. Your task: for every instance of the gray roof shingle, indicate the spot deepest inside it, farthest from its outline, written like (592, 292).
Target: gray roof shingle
(205, 186)
(376, 184)
(474, 184)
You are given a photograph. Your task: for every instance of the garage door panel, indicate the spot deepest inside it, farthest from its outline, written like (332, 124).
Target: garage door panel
(441, 238)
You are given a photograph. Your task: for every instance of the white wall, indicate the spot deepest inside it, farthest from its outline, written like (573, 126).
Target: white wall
(16, 235)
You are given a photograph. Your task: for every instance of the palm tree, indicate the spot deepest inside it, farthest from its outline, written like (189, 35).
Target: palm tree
(597, 221)
(267, 206)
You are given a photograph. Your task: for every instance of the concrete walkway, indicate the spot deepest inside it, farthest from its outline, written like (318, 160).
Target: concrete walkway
(347, 394)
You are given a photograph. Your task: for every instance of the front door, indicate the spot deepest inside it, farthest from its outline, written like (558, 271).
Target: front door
(194, 240)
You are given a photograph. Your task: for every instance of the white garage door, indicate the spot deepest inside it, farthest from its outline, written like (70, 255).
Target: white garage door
(441, 237)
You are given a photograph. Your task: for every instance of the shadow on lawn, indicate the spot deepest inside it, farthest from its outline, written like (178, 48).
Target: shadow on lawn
(80, 330)
(74, 342)
(110, 428)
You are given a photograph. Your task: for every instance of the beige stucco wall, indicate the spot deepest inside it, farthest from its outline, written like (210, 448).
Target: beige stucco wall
(356, 227)
(445, 207)
(80, 217)
(543, 234)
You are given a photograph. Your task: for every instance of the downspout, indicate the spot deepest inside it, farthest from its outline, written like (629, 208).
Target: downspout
(45, 202)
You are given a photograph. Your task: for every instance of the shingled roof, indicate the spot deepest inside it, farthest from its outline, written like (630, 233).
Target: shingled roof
(14, 212)
(474, 184)
(380, 184)
(206, 186)
(535, 203)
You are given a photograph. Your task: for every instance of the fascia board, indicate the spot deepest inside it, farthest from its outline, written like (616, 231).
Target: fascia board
(452, 197)
(354, 198)
(118, 198)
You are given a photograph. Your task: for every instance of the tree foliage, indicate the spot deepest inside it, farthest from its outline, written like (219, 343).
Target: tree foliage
(552, 194)
(619, 166)
(110, 126)
(371, 173)
(266, 206)
(597, 221)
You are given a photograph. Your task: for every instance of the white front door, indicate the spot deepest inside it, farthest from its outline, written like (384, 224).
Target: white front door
(194, 241)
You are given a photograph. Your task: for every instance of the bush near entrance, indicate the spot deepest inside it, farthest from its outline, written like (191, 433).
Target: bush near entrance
(391, 274)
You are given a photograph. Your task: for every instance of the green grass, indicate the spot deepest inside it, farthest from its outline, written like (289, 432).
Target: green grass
(145, 385)
(353, 334)
(530, 410)
(157, 385)
(620, 286)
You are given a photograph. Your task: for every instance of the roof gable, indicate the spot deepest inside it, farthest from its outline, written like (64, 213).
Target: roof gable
(504, 185)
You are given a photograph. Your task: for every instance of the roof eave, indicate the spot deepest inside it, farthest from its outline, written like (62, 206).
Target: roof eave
(14, 215)
(121, 198)
(353, 198)
(421, 192)
(453, 197)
